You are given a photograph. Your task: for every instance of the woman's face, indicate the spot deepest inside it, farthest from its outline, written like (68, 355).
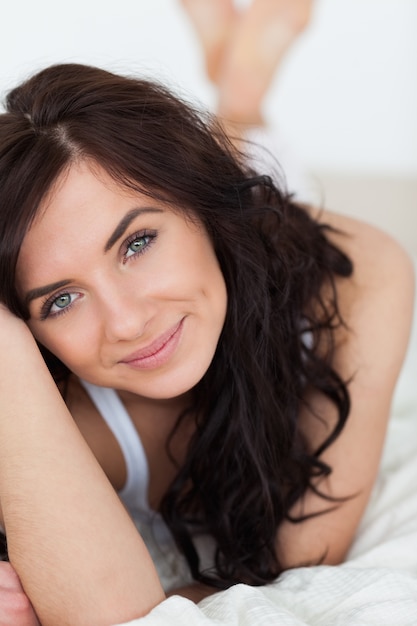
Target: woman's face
(127, 293)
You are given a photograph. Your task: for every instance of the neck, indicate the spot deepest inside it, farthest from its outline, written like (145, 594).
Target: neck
(167, 409)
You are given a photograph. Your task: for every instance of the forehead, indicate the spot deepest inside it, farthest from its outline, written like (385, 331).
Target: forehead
(84, 199)
(78, 192)
(84, 203)
(77, 217)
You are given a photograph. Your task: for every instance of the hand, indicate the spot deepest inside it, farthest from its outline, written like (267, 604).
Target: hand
(15, 606)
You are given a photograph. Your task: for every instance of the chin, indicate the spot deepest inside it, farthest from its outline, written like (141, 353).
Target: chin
(168, 386)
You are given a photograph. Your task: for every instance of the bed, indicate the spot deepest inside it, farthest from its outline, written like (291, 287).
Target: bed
(377, 585)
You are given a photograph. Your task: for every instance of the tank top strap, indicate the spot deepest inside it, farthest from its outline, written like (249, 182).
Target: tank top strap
(135, 491)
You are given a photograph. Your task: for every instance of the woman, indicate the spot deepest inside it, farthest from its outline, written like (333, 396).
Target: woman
(254, 345)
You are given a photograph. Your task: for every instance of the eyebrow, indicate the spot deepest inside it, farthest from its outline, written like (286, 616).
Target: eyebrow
(38, 292)
(124, 224)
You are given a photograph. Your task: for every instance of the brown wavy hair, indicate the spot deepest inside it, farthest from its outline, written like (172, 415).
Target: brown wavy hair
(247, 463)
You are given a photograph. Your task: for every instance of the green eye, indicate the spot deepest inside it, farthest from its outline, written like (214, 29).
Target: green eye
(138, 244)
(62, 301)
(56, 305)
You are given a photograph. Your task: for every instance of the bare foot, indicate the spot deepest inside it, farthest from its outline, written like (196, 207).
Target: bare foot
(256, 45)
(213, 21)
(243, 50)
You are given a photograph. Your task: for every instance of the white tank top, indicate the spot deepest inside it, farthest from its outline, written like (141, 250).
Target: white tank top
(134, 494)
(112, 409)
(170, 564)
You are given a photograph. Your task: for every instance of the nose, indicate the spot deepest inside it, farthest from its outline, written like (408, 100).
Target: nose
(124, 313)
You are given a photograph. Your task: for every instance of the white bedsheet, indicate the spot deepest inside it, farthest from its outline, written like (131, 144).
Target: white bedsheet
(377, 585)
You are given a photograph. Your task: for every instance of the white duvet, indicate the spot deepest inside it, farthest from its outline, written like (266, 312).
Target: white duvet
(377, 585)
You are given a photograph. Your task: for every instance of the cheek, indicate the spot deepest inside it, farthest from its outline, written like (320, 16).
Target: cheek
(201, 267)
(72, 345)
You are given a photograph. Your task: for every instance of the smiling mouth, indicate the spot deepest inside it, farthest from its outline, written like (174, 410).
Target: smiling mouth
(158, 352)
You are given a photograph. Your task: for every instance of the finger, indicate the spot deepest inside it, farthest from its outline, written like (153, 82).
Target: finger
(8, 577)
(16, 609)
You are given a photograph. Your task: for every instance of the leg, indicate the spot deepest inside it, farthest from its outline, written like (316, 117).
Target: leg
(257, 45)
(213, 21)
(244, 49)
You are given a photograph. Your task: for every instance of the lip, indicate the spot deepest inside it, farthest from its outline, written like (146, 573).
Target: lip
(158, 352)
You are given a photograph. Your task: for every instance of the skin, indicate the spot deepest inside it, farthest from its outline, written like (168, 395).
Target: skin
(379, 297)
(168, 275)
(377, 306)
(15, 607)
(174, 282)
(243, 48)
(172, 278)
(52, 492)
(41, 446)
(242, 51)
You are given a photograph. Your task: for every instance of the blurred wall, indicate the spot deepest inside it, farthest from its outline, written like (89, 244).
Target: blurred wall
(345, 98)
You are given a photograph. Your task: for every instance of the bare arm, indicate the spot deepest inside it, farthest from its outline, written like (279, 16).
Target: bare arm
(377, 306)
(74, 547)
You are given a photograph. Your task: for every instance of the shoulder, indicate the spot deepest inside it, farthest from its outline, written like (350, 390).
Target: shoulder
(364, 242)
(376, 303)
(376, 255)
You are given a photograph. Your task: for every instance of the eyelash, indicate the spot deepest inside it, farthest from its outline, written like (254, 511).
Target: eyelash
(48, 303)
(143, 234)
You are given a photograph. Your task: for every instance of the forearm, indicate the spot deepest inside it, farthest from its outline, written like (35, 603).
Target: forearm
(79, 556)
